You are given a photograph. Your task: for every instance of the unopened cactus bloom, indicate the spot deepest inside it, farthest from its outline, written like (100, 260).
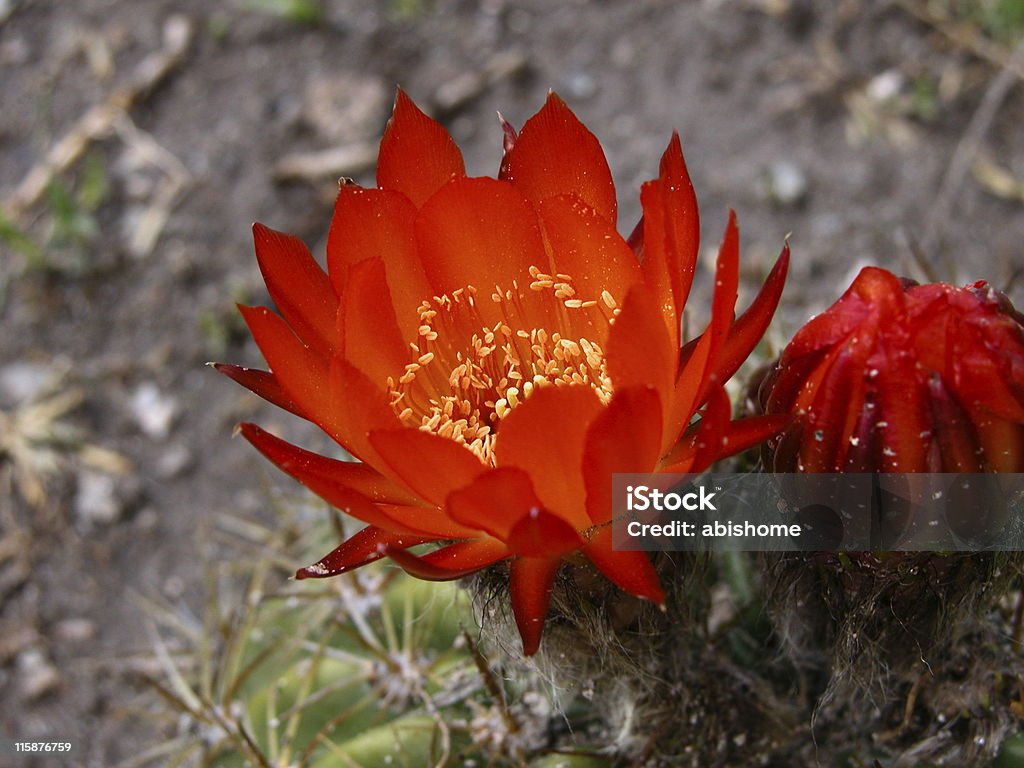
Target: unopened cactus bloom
(899, 377)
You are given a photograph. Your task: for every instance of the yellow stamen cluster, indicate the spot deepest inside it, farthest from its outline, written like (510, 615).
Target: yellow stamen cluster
(461, 384)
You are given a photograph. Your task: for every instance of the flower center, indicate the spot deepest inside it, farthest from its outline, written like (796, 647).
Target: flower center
(469, 374)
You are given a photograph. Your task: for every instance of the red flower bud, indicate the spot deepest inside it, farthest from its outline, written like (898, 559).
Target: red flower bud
(899, 377)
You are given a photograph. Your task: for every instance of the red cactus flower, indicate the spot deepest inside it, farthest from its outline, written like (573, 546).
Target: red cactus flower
(492, 350)
(897, 377)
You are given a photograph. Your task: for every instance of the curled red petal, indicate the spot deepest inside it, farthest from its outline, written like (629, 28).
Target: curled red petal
(670, 235)
(713, 430)
(748, 329)
(302, 373)
(741, 435)
(723, 303)
(452, 562)
(356, 551)
(697, 371)
(326, 472)
(746, 433)
(417, 155)
(262, 383)
(298, 286)
(978, 377)
(555, 154)
(532, 580)
(508, 140)
(325, 477)
(630, 571)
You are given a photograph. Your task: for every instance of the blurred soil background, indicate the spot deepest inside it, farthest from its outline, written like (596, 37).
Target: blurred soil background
(140, 138)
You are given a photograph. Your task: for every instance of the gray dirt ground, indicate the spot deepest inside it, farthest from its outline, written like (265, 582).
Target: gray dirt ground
(836, 122)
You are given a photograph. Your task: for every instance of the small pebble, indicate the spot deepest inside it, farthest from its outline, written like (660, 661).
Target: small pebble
(153, 411)
(785, 183)
(174, 587)
(885, 86)
(96, 499)
(25, 382)
(36, 675)
(103, 499)
(579, 85)
(175, 461)
(74, 630)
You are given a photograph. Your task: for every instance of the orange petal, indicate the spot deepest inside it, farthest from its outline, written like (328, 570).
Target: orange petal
(430, 465)
(689, 384)
(482, 232)
(532, 579)
(417, 155)
(541, 534)
(545, 436)
(299, 288)
(555, 154)
(630, 571)
(359, 406)
(302, 374)
(625, 437)
(451, 562)
(262, 383)
(748, 329)
(364, 547)
(378, 223)
(639, 351)
(369, 334)
(495, 502)
(671, 236)
(586, 247)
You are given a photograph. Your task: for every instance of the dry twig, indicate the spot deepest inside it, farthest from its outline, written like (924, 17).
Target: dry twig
(967, 148)
(964, 36)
